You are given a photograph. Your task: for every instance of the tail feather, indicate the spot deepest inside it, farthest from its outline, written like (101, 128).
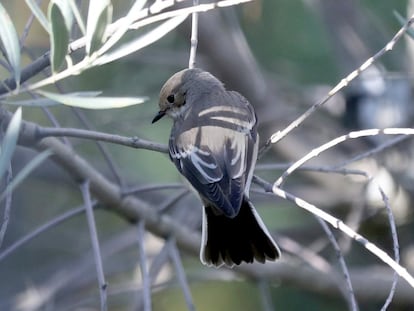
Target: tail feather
(231, 241)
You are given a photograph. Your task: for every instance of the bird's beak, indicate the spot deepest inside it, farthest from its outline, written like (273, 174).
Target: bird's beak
(158, 116)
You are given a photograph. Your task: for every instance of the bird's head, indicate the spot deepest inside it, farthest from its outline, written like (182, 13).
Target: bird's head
(182, 85)
(173, 96)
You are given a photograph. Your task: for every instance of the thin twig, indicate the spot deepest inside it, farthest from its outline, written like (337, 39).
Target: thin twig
(340, 225)
(194, 38)
(84, 121)
(113, 167)
(333, 143)
(148, 188)
(394, 236)
(95, 244)
(55, 123)
(178, 265)
(7, 206)
(45, 110)
(319, 263)
(5, 65)
(305, 254)
(170, 201)
(328, 145)
(158, 262)
(351, 135)
(189, 10)
(129, 207)
(337, 169)
(350, 295)
(265, 295)
(373, 151)
(276, 137)
(26, 29)
(396, 246)
(134, 142)
(146, 279)
(28, 72)
(133, 208)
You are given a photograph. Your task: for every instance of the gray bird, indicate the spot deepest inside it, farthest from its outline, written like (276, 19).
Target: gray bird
(214, 144)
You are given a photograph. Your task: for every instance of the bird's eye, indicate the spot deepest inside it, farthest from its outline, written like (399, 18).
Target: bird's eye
(170, 98)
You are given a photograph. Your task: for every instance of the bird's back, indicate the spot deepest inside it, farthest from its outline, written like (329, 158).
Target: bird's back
(213, 147)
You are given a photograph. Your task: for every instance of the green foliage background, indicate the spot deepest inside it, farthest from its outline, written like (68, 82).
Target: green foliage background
(287, 39)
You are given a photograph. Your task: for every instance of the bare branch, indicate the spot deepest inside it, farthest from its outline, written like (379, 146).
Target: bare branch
(28, 72)
(95, 244)
(395, 244)
(334, 142)
(134, 209)
(349, 292)
(340, 225)
(265, 295)
(134, 142)
(157, 187)
(102, 148)
(194, 38)
(344, 82)
(392, 142)
(7, 206)
(146, 279)
(179, 269)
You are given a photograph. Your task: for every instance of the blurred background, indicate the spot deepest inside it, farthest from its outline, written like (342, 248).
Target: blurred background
(283, 56)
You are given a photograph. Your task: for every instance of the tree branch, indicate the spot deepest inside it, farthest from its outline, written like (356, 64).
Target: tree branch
(134, 209)
(28, 72)
(134, 142)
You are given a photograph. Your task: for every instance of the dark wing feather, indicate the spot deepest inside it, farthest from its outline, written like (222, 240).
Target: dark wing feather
(204, 174)
(215, 152)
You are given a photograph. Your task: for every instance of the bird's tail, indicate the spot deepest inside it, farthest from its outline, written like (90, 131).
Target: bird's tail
(233, 240)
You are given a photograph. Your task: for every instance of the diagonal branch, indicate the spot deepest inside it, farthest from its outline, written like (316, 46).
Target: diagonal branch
(134, 142)
(134, 209)
(276, 137)
(106, 192)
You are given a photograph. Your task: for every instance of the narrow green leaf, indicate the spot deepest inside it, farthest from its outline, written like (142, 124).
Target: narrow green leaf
(123, 27)
(61, 19)
(35, 102)
(46, 102)
(99, 16)
(67, 13)
(37, 12)
(93, 102)
(59, 37)
(10, 40)
(402, 21)
(143, 41)
(10, 141)
(35, 162)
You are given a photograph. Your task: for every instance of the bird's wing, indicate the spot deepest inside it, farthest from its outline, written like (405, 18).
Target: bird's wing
(215, 153)
(201, 168)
